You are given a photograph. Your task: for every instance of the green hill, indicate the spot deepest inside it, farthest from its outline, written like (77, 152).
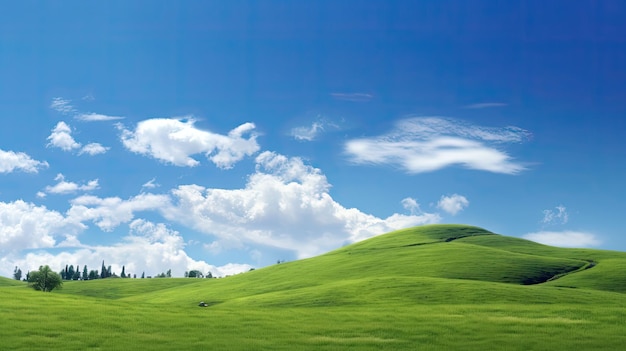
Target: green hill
(436, 287)
(10, 282)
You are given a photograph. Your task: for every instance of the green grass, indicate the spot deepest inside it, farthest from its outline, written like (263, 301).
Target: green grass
(443, 287)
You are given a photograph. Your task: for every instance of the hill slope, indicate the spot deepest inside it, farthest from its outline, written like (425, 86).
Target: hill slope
(429, 264)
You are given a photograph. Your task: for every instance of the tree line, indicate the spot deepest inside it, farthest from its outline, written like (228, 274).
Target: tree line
(74, 273)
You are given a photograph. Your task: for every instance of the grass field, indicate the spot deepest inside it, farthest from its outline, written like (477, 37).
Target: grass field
(441, 287)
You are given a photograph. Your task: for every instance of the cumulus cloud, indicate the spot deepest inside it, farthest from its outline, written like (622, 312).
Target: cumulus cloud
(149, 247)
(62, 106)
(428, 144)
(174, 141)
(93, 117)
(61, 137)
(65, 187)
(108, 213)
(560, 216)
(564, 238)
(453, 204)
(93, 149)
(411, 205)
(285, 204)
(27, 226)
(11, 161)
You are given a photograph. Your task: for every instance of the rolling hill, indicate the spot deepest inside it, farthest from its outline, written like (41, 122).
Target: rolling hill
(395, 291)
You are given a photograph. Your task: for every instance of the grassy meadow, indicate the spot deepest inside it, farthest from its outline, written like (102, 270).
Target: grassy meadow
(440, 287)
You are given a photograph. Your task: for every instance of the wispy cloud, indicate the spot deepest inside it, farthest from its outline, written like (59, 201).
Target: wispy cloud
(307, 133)
(558, 216)
(62, 106)
(426, 144)
(310, 133)
(355, 97)
(485, 105)
(453, 204)
(65, 107)
(564, 238)
(91, 117)
(151, 184)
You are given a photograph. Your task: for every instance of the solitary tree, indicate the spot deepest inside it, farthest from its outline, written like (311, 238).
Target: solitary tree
(44, 279)
(123, 272)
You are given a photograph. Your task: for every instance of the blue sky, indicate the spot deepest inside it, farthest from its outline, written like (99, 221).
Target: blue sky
(228, 135)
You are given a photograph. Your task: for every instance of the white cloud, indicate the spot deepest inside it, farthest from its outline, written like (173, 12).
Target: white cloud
(453, 204)
(27, 226)
(151, 184)
(174, 141)
(62, 105)
(428, 144)
(560, 216)
(149, 247)
(410, 204)
(354, 97)
(310, 133)
(285, 204)
(485, 105)
(93, 149)
(108, 213)
(92, 117)
(11, 161)
(64, 187)
(307, 133)
(61, 137)
(564, 238)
